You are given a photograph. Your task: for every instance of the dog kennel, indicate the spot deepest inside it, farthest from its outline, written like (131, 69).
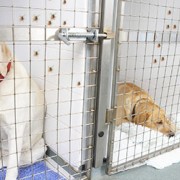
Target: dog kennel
(78, 52)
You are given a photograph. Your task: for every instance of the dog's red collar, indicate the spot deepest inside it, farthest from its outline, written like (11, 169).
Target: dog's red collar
(8, 69)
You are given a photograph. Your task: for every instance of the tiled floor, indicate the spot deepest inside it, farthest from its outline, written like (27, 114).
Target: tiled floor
(141, 173)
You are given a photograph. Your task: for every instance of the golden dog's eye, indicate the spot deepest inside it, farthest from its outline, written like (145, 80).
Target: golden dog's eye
(160, 122)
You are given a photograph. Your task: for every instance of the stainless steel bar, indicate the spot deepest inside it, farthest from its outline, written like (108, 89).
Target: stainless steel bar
(116, 24)
(50, 153)
(104, 83)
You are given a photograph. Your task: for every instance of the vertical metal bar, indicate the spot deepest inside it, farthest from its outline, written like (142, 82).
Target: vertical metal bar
(14, 89)
(116, 24)
(45, 74)
(86, 157)
(104, 82)
(30, 75)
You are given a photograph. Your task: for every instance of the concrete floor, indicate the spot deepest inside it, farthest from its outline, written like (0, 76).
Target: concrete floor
(140, 173)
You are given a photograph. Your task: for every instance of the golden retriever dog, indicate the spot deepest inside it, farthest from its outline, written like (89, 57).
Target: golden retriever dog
(136, 106)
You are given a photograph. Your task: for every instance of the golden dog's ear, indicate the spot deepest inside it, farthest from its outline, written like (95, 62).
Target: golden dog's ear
(141, 118)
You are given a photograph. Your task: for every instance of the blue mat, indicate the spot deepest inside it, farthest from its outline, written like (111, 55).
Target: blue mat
(39, 171)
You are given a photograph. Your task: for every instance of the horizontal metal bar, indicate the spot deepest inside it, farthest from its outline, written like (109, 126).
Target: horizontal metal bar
(63, 164)
(77, 34)
(140, 160)
(85, 35)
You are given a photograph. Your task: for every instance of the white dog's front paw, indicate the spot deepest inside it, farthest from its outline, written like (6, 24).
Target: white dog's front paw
(10, 178)
(11, 174)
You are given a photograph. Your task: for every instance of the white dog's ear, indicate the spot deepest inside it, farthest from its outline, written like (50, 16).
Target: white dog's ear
(6, 52)
(5, 58)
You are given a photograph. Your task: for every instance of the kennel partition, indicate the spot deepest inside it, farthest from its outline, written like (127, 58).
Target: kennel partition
(67, 74)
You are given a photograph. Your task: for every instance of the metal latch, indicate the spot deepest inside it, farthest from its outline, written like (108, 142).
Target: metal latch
(74, 34)
(110, 115)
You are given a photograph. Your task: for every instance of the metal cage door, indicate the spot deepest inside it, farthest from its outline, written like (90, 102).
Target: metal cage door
(146, 54)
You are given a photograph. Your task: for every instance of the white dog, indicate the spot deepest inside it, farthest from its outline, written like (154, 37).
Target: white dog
(21, 115)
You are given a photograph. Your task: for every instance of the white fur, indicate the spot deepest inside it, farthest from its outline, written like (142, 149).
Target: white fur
(21, 117)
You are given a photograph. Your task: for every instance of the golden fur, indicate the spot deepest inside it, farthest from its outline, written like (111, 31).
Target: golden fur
(135, 105)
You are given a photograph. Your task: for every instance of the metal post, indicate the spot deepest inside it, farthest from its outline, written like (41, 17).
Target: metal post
(104, 83)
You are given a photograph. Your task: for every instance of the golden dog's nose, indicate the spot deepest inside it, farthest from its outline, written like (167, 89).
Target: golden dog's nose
(171, 134)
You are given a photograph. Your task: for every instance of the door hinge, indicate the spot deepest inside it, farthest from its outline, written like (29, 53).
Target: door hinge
(76, 34)
(110, 115)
